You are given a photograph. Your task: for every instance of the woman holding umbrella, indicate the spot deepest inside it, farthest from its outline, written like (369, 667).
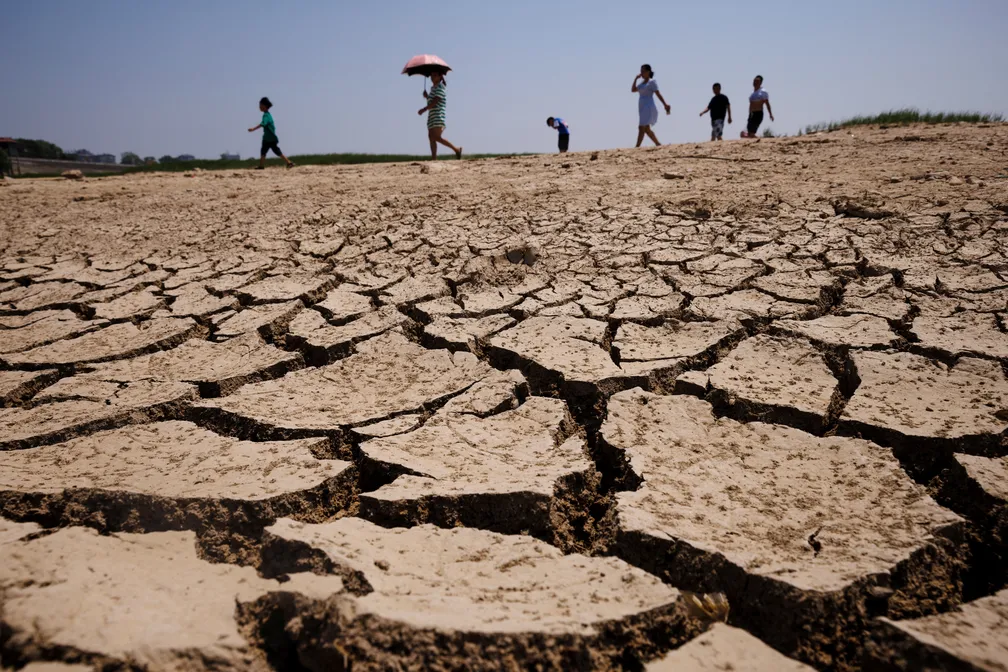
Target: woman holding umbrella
(435, 109)
(431, 66)
(647, 112)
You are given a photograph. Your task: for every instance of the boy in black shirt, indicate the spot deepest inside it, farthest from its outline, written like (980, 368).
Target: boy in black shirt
(718, 107)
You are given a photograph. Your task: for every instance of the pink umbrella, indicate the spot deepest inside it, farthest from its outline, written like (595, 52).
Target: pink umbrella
(425, 64)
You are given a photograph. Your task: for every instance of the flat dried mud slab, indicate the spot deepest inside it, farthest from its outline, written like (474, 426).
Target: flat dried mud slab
(218, 368)
(325, 342)
(196, 301)
(280, 288)
(854, 331)
(341, 305)
(41, 328)
(565, 351)
(502, 473)
(16, 386)
(465, 599)
(169, 476)
(660, 353)
(39, 295)
(129, 306)
(139, 600)
(745, 306)
(11, 531)
(800, 532)
(876, 296)
(777, 379)
(114, 342)
(75, 406)
(268, 320)
(388, 376)
(910, 401)
(969, 638)
(467, 333)
(965, 333)
(723, 648)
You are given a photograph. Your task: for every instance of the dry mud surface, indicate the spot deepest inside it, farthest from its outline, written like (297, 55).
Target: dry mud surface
(704, 407)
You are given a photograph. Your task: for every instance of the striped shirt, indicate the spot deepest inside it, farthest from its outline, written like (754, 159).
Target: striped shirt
(436, 113)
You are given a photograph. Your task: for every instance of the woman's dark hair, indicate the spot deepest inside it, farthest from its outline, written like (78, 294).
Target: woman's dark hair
(648, 69)
(266, 102)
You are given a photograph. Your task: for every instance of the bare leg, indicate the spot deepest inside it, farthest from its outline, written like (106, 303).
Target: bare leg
(653, 137)
(641, 130)
(432, 135)
(289, 162)
(262, 161)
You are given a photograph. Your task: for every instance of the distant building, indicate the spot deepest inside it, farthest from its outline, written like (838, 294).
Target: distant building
(185, 157)
(230, 157)
(81, 155)
(104, 158)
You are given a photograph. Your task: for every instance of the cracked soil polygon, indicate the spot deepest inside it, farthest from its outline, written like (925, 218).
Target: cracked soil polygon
(113, 342)
(855, 331)
(171, 475)
(218, 368)
(964, 333)
(780, 520)
(139, 600)
(470, 599)
(500, 472)
(388, 376)
(74, 406)
(723, 648)
(42, 327)
(905, 397)
(783, 376)
(968, 638)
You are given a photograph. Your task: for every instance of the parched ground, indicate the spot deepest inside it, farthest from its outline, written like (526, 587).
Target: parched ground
(705, 407)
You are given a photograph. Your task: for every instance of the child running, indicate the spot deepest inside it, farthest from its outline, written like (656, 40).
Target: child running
(435, 108)
(757, 99)
(718, 107)
(563, 133)
(270, 139)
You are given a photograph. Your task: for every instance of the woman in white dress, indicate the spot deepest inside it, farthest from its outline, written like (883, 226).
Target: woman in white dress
(647, 111)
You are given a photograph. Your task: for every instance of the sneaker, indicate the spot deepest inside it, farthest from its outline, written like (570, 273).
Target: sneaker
(290, 165)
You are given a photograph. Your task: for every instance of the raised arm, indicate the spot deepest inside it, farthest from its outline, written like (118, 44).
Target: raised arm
(633, 87)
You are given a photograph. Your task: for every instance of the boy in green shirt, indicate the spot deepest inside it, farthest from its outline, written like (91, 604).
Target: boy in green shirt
(270, 139)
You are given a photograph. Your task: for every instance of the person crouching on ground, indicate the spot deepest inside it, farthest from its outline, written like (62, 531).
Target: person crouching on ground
(270, 139)
(435, 109)
(647, 111)
(718, 107)
(563, 133)
(757, 100)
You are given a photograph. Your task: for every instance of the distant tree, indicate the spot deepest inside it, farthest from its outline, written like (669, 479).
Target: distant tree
(130, 159)
(768, 133)
(150, 160)
(39, 149)
(5, 164)
(166, 159)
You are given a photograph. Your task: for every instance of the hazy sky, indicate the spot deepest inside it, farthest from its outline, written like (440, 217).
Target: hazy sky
(159, 77)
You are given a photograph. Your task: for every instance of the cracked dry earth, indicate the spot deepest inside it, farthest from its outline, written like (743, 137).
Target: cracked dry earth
(525, 413)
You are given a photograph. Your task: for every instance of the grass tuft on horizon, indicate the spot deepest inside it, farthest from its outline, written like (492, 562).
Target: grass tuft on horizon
(907, 115)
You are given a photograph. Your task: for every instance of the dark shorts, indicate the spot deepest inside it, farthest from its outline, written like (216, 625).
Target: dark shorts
(266, 146)
(755, 119)
(563, 142)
